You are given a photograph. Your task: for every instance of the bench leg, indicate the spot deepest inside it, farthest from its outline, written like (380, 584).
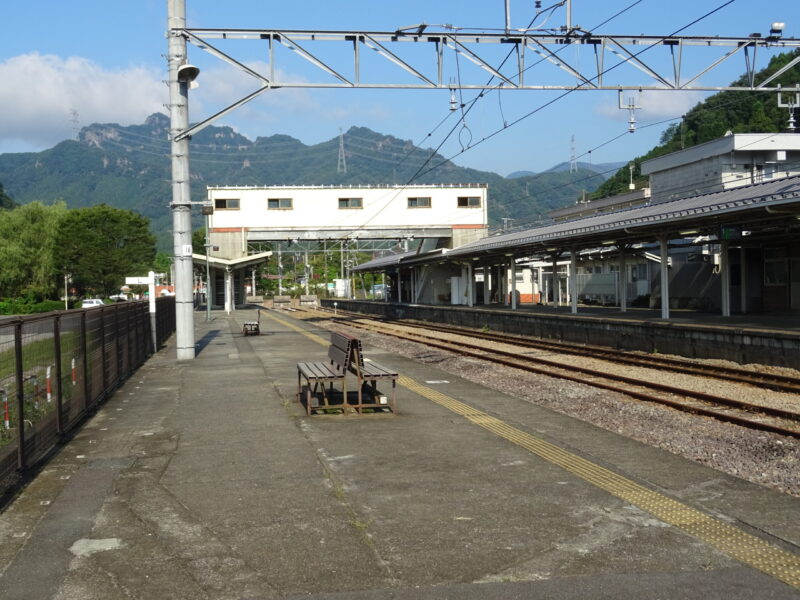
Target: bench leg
(299, 386)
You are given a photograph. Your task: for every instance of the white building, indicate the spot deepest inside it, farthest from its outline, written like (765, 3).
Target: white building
(731, 161)
(445, 215)
(425, 216)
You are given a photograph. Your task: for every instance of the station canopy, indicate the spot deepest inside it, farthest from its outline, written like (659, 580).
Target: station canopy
(771, 207)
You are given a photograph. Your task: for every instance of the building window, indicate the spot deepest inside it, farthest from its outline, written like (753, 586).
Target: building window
(419, 203)
(279, 203)
(226, 203)
(469, 202)
(351, 203)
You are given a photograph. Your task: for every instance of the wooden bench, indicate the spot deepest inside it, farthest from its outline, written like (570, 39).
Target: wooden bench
(322, 375)
(281, 301)
(345, 356)
(369, 373)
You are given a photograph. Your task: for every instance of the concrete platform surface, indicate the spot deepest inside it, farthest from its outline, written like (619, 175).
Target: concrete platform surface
(206, 479)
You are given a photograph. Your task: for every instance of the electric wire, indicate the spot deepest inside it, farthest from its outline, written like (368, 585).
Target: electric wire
(570, 91)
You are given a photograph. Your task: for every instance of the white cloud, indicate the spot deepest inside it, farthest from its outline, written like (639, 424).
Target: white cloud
(40, 93)
(221, 86)
(655, 104)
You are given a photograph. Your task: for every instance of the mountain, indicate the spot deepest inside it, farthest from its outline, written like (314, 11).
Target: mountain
(128, 167)
(603, 169)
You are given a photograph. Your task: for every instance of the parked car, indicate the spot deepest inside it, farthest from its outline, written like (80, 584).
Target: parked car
(91, 303)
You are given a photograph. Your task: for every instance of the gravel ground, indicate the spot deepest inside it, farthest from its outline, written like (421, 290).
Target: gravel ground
(766, 459)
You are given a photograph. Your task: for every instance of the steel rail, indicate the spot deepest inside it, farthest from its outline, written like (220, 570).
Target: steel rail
(596, 380)
(724, 406)
(775, 382)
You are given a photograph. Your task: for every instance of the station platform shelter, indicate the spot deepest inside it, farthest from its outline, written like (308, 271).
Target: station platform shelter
(726, 252)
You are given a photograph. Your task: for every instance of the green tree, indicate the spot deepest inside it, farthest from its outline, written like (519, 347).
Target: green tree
(199, 241)
(5, 200)
(27, 249)
(163, 263)
(100, 245)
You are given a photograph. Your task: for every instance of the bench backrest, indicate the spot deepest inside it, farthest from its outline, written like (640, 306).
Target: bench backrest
(308, 299)
(281, 300)
(341, 349)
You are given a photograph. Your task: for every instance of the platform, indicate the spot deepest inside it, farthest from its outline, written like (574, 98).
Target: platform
(206, 479)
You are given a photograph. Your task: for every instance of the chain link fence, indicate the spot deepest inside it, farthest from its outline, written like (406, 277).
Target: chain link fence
(55, 369)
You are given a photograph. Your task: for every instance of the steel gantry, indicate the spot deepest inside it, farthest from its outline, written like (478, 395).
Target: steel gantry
(658, 61)
(524, 50)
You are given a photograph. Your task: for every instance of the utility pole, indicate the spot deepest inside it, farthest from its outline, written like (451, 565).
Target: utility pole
(341, 166)
(181, 74)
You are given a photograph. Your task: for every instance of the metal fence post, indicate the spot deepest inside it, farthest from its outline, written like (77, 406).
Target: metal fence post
(59, 394)
(103, 353)
(20, 396)
(87, 384)
(117, 345)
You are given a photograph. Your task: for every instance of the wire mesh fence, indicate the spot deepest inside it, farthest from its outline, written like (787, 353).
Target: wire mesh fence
(57, 367)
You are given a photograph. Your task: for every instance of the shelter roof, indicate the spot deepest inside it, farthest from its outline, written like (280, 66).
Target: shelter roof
(749, 206)
(234, 264)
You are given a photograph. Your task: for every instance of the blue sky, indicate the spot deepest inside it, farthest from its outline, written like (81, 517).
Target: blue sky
(68, 64)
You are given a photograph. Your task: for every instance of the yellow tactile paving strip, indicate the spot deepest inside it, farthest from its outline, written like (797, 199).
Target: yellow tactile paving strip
(734, 542)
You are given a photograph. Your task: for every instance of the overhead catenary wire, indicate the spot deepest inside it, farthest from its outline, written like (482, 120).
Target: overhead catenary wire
(573, 89)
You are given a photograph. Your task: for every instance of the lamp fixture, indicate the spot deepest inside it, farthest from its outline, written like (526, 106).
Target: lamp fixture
(776, 30)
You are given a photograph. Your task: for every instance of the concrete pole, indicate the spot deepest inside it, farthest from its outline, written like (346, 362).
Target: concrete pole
(399, 286)
(743, 279)
(573, 280)
(470, 285)
(623, 280)
(305, 270)
(181, 197)
(664, 277)
(725, 278)
(280, 271)
(228, 290)
(151, 299)
(513, 284)
(554, 284)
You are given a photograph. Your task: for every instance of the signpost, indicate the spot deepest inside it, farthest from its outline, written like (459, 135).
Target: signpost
(150, 282)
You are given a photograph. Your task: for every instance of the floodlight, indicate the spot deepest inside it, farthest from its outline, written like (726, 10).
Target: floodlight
(187, 73)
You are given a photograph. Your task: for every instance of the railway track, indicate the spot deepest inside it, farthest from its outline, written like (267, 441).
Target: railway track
(778, 383)
(754, 416)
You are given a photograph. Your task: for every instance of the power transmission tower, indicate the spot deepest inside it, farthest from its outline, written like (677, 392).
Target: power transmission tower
(573, 162)
(341, 167)
(76, 124)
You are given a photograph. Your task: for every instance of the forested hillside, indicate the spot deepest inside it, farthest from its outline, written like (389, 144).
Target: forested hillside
(738, 112)
(129, 167)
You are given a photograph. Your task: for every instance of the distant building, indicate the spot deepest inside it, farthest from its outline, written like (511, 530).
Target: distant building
(590, 208)
(731, 161)
(443, 215)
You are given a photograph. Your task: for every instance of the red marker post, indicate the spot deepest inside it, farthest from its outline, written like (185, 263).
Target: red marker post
(49, 385)
(6, 420)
